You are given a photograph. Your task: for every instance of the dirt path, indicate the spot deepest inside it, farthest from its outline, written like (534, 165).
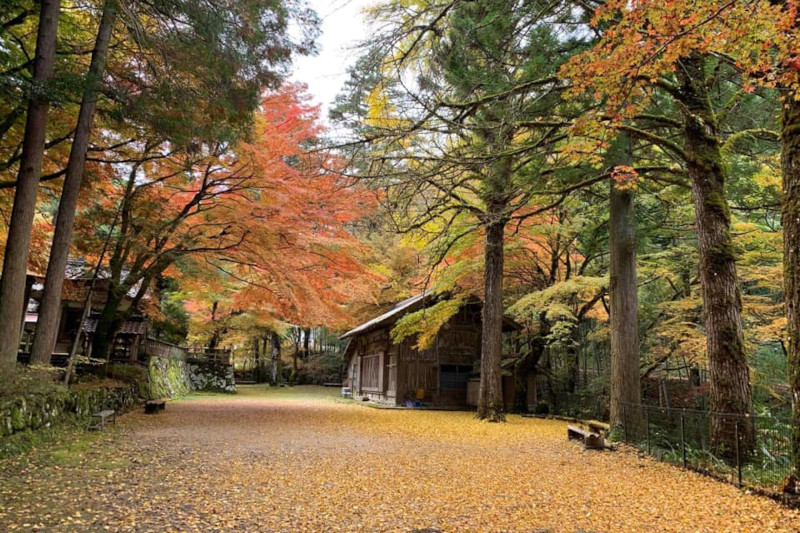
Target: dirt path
(301, 461)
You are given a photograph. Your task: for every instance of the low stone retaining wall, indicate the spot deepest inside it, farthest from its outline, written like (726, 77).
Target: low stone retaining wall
(211, 376)
(167, 378)
(36, 411)
(170, 378)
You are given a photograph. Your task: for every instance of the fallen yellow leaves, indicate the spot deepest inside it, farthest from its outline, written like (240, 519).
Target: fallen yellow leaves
(300, 461)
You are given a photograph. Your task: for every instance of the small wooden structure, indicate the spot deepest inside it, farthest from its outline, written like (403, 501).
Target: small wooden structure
(153, 406)
(101, 419)
(590, 440)
(399, 374)
(128, 341)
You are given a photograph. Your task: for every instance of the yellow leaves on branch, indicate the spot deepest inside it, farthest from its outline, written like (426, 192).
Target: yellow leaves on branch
(426, 323)
(644, 40)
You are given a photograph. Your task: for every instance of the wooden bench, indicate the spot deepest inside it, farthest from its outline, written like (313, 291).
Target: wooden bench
(101, 419)
(153, 406)
(591, 441)
(598, 427)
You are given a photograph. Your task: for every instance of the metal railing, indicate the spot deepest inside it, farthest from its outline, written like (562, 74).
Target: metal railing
(746, 450)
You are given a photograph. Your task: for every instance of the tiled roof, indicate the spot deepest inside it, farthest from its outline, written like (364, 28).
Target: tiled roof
(129, 327)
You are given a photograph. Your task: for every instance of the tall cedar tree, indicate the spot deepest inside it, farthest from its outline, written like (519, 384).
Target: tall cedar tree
(459, 150)
(15, 263)
(622, 290)
(50, 307)
(612, 70)
(758, 39)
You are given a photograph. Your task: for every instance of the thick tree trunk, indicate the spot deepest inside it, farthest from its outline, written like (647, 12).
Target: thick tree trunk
(293, 377)
(213, 342)
(526, 365)
(722, 303)
(790, 220)
(306, 338)
(573, 359)
(276, 355)
(625, 386)
(108, 323)
(256, 359)
(15, 263)
(47, 326)
(267, 362)
(490, 395)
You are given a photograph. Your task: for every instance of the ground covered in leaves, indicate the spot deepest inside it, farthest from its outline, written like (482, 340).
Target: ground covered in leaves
(301, 460)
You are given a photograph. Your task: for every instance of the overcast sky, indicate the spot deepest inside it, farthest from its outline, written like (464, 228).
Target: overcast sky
(342, 27)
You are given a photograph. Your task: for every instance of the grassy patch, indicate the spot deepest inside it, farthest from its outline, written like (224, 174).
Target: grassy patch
(253, 392)
(64, 446)
(296, 393)
(25, 441)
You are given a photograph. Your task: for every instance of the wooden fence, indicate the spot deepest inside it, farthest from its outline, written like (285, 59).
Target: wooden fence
(198, 353)
(164, 350)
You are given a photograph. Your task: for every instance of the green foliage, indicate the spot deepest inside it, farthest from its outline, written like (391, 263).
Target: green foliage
(172, 324)
(425, 323)
(126, 373)
(559, 305)
(212, 65)
(317, 369)
(31, 380)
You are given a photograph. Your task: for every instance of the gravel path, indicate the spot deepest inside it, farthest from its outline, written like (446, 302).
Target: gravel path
(301, 460)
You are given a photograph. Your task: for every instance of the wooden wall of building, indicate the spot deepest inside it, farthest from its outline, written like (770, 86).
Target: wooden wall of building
(383, 371)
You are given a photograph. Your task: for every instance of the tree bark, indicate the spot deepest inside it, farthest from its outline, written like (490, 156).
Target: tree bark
(276, 355)
(722, 303)
(790, 220)
(527, 364)
(293, 377)
(573, 359)
(15, 263)
(306, 338)
(214, 340)
(256, 358)
(108, 323)
(490, 394)
(625, 385)
(47, 326)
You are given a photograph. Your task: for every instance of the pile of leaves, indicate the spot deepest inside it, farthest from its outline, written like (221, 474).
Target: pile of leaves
(302, 460)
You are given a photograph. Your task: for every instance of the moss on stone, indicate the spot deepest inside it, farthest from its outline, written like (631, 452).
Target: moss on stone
(18, 417)
(22, 418)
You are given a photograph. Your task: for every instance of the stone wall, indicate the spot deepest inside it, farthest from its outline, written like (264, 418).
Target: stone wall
(167, 378)
(211, 376)
(36, 411)
(170, 378)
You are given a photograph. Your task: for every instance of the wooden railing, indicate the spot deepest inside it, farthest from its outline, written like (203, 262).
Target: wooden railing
(156, 348)
(204, 354)
(165, 350)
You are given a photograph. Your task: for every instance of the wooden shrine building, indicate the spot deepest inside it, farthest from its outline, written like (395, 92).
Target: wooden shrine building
(444, 375)
(128, 341)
